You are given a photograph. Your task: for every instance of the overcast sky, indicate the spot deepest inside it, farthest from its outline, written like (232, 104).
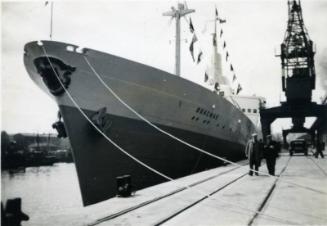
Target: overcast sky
(137, 30)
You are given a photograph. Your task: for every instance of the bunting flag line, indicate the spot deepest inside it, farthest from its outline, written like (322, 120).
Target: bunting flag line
(199, 57)
(234, 77)
(191, 26)
(206, 77)
(239, 88)
(221, 33)
(194, 39)
(231, 67)
(224, 45)
(227, 55)
(216, 86)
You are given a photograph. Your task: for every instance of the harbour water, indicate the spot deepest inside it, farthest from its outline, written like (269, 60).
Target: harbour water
(50, 194)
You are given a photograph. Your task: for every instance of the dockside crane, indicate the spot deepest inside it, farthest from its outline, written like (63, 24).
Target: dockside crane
(298, 78)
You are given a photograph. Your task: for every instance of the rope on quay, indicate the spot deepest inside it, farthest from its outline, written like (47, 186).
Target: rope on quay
(185, 142)
(139, 161)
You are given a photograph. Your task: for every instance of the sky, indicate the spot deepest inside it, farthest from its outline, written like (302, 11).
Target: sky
(137, 30)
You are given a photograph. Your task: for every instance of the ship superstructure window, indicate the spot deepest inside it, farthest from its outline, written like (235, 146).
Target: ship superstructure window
(254, 110)
(243, 109)
(193, 117)
(197, 110)
(249, 110)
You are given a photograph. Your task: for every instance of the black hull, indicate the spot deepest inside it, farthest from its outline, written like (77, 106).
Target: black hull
(185, 109)
(98, 162)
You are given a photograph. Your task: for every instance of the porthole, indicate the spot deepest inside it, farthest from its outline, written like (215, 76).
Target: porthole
(197, 110)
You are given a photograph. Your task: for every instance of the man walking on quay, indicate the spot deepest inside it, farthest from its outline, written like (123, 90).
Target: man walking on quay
(253, 152)
(270, 154)
(319, 149)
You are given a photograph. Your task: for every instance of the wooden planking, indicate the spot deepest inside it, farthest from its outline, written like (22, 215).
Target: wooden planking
(235, 200)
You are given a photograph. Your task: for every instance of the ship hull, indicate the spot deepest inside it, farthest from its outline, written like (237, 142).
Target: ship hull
(180, 107)
(99, 162)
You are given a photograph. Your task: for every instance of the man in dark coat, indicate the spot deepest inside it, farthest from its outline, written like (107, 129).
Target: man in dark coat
(253, 152)
(319, 149)
(270, 154)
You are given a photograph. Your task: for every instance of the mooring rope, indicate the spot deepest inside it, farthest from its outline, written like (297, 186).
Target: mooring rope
(317, 164)
(139, 161)
(103, 134)
(182, 141)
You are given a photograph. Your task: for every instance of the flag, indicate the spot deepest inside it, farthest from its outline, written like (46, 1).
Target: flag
(234, 77)
(222, 21)
(227, 55)
(231, 67)
(221, 32)
(216, 14)
(206, 77)
(199, 57)
(216, 86)
(224, 44)
(239, 88)
(214, 40)
(46, 3)
(191, 26)
(194, 39)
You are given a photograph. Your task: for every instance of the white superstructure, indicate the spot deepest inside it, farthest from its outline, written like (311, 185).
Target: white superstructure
(250, 105)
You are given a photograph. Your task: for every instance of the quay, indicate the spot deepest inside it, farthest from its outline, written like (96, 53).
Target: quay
(226, 195)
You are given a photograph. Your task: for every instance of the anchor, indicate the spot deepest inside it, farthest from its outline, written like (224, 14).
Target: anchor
(60, 127)
(101, 119)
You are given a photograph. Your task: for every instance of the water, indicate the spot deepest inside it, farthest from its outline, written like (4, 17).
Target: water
(50, 194)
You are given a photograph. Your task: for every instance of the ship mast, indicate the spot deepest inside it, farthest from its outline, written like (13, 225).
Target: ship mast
(177, 14)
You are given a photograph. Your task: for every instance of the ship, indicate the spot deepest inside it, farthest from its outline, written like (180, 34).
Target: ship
(78, 79)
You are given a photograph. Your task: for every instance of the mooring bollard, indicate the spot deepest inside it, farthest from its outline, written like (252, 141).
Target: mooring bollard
(124, 186)
(12, 214)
